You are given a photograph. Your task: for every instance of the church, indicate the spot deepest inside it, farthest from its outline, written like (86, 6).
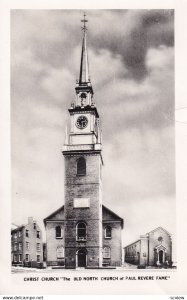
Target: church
(83, 233)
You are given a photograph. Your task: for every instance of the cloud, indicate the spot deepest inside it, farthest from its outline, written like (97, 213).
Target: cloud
(125, 32)
(149, 103)
(131, 59)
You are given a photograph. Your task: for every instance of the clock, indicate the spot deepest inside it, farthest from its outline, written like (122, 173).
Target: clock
(81, 122)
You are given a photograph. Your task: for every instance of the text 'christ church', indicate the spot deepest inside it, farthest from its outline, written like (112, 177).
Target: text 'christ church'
(83, 232)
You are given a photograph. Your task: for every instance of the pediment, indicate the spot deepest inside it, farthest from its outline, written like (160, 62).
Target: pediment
(160, 247)
(109, 215)
(56, 215)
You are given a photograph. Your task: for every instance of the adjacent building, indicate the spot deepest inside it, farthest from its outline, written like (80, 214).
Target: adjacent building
(26, 244)
(83, 233)
(152, 249)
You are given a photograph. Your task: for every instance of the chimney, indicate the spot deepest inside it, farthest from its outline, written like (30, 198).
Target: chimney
(30, 220)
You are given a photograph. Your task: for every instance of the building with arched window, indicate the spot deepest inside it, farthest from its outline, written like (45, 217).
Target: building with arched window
(82, 235)
(152, 249)
(81, 166)
(88, 231)
(81, 231)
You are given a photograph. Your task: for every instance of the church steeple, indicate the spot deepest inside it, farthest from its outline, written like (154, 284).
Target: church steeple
(84, 131)
(84, 67)
(83, 88)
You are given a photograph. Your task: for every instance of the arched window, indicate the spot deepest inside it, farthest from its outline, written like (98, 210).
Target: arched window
(58, 231)
(60, 252)
(81, 231)
(108, 232)
(81, 166)
(106, 252)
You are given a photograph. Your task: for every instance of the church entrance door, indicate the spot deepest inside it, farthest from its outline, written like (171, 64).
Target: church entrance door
(160, 256)
(81, 258)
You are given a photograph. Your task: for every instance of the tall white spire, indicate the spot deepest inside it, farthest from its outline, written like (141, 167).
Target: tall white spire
(84, 67)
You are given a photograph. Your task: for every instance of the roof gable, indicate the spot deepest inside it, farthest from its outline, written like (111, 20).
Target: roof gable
(17, 228)
(158, 228)
(109, 215)
(56, 215)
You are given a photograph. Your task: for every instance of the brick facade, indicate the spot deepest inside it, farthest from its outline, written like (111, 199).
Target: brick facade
(93, 251)
(82, 219)
(89, 187)
(27, 246)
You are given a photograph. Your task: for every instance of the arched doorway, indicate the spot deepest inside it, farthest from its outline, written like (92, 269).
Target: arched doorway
(160, 256)
(81, 258)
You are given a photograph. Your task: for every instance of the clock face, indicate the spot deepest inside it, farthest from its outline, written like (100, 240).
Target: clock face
(81, 122)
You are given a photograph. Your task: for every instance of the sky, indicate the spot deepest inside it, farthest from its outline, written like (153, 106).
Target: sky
(131, 61)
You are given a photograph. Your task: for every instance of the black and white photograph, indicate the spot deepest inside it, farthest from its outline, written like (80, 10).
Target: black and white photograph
(93, 129)
(92, 98)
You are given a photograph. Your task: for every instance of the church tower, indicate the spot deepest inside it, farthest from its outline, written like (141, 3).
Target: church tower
(83, 166)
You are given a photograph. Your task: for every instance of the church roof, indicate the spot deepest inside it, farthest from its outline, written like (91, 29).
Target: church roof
(108, 215)
(158, 228)
(147, 234)
(58, 212)
(17, 228)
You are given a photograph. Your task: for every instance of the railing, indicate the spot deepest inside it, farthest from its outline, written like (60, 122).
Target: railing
(81, 147)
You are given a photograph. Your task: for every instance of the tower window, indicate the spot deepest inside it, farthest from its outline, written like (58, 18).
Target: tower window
(108, 232)
(81, 231)
(58, 230)
(106, 252)
(81, 166)
(83, 95)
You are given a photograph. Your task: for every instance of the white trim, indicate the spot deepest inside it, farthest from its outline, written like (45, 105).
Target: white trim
(108, 237)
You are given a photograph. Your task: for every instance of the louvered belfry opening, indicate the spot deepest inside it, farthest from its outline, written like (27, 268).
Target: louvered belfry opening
(81, 166)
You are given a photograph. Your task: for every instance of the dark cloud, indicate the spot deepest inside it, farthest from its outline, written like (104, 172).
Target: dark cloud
(126, 32)
(150, 28)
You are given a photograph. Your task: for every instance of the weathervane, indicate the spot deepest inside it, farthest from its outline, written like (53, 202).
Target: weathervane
(84, 28)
